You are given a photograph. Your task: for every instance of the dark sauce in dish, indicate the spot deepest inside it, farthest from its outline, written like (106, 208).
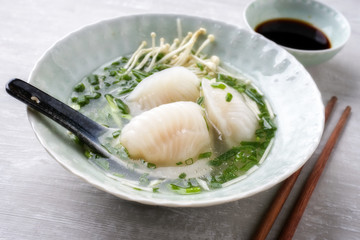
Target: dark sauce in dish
(294, 33)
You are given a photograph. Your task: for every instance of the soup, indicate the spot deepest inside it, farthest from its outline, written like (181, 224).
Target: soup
(177, 116)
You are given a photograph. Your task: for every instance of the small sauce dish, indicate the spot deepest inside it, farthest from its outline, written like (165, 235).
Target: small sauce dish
(311, 31)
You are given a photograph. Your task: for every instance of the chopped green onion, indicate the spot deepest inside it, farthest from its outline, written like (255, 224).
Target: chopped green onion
(228, 97)
(189, 161)
(179, 163)
(124, 59)
(95, 95)
(79, 87)
(204, 155)
(115, 63)
(122, 106)
(93, 79)
(155, 189)
(116, 133)
(187, 190)
(151, 165)
(200, 66)
(117, 103)
(118, 174)
(126, 77)
(200, 100)
(88, 154)
(218, 85)
(82, 101)
(182, 175)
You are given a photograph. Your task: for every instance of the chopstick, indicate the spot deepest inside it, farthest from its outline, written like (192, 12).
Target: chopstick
(284, 191)
(297, 212)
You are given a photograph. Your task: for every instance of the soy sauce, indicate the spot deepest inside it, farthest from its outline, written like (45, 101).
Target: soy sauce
(294, 34)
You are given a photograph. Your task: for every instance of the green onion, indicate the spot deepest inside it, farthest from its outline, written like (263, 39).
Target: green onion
(189, 161)
(179, 163)
(151, 165)
(204, 155)
(115, 63)
(126, 77)
(187, 190)
(117, 103)
(93, 79)
(118, 175)
(255, 96)
(228, 97)
(116, 133)
(200, 100)
(88, 154)
(122, 106)
(95, 95)
(200, 66)
(124, 59)
(79, 87)
(218, 85)
(155, 190)
(225, 156)
(182, 175)
(82, 101)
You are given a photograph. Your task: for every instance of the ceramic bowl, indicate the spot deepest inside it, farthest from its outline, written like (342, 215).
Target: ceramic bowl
(286, 84)
(328, 20)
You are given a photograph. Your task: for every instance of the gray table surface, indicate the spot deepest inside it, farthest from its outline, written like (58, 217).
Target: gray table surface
(41, 200)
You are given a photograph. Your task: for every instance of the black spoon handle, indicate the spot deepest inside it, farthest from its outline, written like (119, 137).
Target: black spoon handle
(84, 128)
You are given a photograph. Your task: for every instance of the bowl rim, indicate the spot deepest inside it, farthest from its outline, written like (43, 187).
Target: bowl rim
(166, 202)
(304, 51)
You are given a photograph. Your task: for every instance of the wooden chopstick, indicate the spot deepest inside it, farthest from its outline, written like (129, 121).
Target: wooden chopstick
(284, 191)
(297, 212)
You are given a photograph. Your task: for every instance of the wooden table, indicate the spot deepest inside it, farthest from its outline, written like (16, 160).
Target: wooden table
(41, 200)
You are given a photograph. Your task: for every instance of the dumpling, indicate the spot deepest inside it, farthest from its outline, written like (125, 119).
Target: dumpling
(167, 134)
(169, 85)
(234, 120)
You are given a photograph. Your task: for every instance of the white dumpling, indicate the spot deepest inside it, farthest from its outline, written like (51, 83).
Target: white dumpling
(234, 120)
(169, 85)
(167, 134)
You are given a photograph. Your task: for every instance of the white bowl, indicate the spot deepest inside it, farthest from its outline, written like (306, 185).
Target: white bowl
(328, 20)
(286, 84)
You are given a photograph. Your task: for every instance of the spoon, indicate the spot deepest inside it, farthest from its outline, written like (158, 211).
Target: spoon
(88, 131)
